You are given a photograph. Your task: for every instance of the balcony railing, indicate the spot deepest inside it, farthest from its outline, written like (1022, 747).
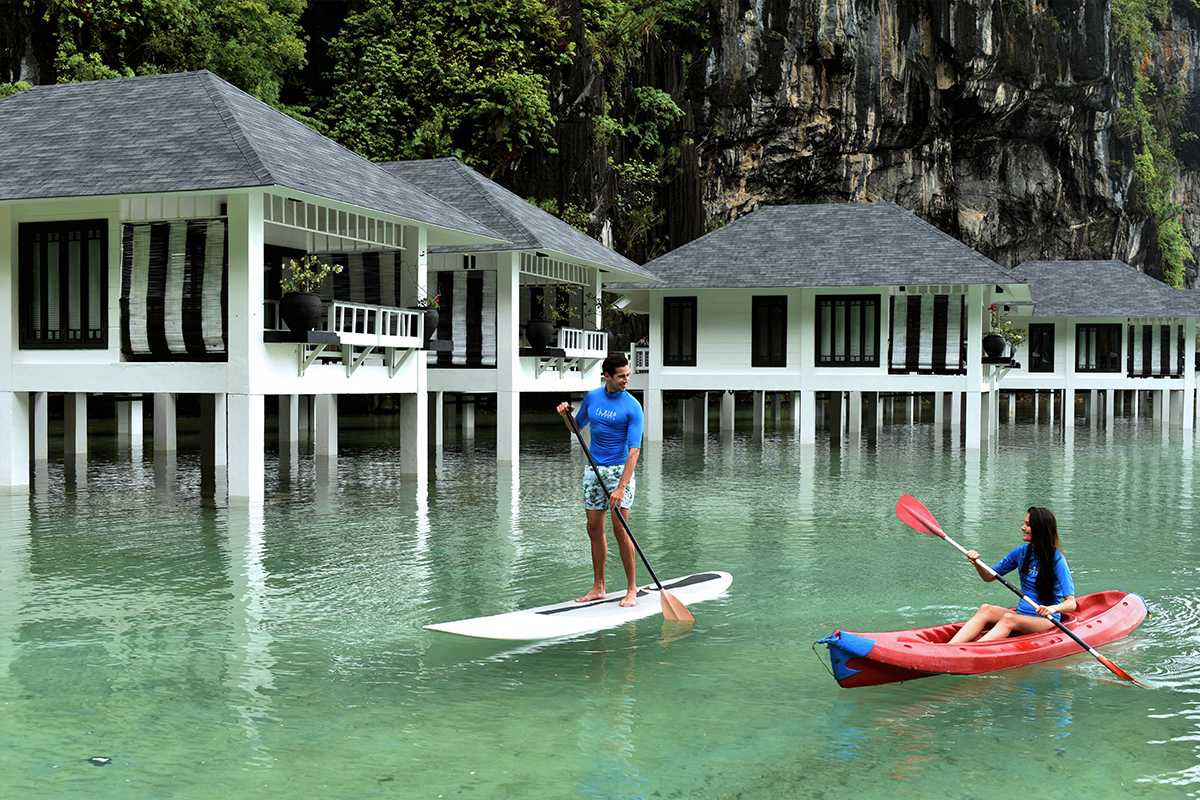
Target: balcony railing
(352, 332)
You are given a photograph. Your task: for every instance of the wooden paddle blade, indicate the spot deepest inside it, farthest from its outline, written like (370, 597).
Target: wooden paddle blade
(674, 609)
(916, 516)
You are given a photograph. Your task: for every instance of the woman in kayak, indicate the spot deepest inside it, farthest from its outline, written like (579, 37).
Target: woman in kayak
(1052, 587)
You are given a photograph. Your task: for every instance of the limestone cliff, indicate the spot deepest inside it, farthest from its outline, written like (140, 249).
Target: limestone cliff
(996, 120)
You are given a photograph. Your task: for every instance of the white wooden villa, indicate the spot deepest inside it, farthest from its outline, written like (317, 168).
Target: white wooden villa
(833, 305)
(1109, 334)
(143, 222)
(488, 293)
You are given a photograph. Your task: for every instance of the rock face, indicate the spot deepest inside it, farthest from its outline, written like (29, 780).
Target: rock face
(996, 120)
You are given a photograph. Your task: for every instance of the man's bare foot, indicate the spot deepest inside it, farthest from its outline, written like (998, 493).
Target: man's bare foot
(630, 599)
(597, 593)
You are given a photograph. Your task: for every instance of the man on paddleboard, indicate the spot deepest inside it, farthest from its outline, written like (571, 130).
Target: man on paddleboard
(616, 420)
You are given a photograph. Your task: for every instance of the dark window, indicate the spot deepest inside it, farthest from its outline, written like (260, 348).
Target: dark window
(64, 284)
(1098, 348)
(1041, 348)
(768, 345)
(679, 332)
(848, 331)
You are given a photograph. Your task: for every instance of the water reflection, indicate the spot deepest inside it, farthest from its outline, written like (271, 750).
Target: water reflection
(249, 677)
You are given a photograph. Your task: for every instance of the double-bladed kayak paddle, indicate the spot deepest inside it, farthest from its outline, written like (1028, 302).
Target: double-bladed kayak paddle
(918, 517)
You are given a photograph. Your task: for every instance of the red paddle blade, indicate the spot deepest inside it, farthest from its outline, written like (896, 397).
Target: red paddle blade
(674, 609)
(918, 517)
(1118, 671)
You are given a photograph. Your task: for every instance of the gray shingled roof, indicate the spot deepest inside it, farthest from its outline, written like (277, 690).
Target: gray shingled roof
(526, 226)
(828, 245)
(187, 132)
(1102, 289)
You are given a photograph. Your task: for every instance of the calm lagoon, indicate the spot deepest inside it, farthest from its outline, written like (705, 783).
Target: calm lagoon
(216, 651)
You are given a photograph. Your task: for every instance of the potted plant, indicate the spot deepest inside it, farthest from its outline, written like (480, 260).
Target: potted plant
(1001, 333)
(429, 304)
(539, 329)
(301, 306)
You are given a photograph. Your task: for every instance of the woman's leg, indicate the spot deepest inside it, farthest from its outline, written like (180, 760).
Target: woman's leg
(1012, 622)
(986, 615)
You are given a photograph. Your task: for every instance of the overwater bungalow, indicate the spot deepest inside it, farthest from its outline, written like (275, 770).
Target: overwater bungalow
(1108, 336)
(836, 307)
(143, 225)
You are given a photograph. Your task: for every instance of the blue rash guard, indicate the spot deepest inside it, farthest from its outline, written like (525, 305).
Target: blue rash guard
(1063, 585)
(616, 421)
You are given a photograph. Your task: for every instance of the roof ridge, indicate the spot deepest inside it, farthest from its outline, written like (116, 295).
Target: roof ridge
(253, 159)
(482, 187)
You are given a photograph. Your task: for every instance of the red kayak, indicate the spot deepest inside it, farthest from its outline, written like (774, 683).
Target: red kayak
(869, 659)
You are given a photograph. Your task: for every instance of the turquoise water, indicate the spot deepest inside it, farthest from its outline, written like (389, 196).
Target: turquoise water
(212, 651)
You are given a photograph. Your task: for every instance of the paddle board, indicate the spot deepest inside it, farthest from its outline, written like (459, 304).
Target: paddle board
(570, 618)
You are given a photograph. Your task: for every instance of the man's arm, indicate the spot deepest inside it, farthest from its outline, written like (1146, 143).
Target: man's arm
(617, 494)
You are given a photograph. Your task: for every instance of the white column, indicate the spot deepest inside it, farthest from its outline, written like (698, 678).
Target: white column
(687, 416)
(325, 425)
(974, 420)
(727, 411)
(437, 423)
(75, 442)
(39, 412)
(652, 413)
(14, 440)
(508, 426)
(758, 401)
(939, 409)
(795, 413)
(164, 422)
(468, 416)
(956, 406)
(414, 436)
(855, 424)
(289, 420)
(805, 410)
(1110, 407)
(129, 420)
(304, 417)
(508, 363)
(247, 430)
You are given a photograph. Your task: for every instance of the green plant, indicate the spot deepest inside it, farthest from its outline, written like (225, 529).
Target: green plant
(307, 274)
(424, 300)
(1001, 326)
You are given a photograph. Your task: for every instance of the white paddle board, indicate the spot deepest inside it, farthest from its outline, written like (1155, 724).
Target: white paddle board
(570, 618)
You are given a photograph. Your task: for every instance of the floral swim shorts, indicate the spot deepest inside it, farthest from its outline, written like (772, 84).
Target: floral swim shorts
(593, 494)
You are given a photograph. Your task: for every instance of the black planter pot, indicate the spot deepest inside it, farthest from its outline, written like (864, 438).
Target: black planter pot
(994, 345)
(539, 333)
(301, 311)
(430, 324)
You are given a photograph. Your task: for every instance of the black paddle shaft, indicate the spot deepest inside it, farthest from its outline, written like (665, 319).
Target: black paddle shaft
(608, 496)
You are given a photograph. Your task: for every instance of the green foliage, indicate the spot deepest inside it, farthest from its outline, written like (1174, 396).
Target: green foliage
(429, 79)
(1151, 121)
(12, 88)
(307, 274)
(253, 44)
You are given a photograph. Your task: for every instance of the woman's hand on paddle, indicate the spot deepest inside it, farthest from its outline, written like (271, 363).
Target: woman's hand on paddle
(973, 557)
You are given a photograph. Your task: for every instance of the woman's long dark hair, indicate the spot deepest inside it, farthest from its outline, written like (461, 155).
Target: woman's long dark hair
(1044, 543)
